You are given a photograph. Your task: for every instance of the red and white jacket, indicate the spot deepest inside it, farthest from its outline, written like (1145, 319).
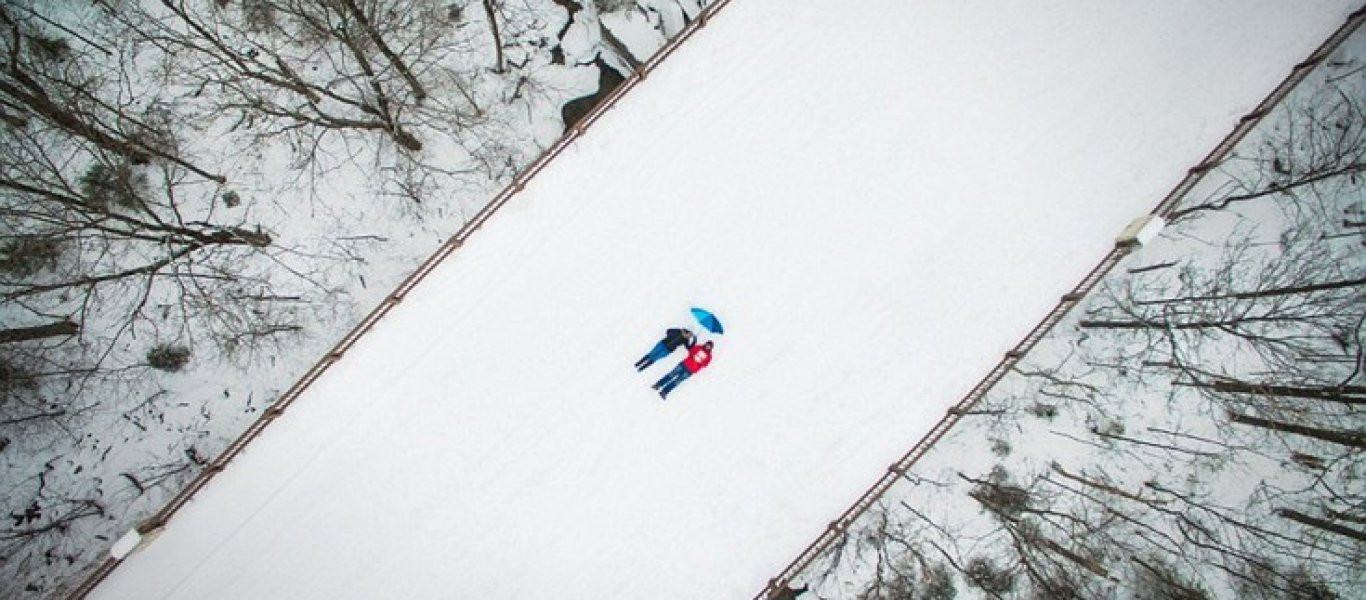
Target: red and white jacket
(697, 358)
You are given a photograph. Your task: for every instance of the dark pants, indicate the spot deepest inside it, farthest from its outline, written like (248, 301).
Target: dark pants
(668, 382)
(656, 353)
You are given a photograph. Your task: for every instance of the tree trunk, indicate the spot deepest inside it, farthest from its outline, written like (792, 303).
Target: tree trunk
(54, 329)
(419, 94)
(1285, 291)
(1220, 324)
(1275, 189)
(146, 269)
(1101, 486)
(1346, 394)
(1323, 524)
(41, 104)
(33, 417)
(161, 232)
(497, 38)
(1084, 562)
(1346, 438)
(618, 48)
(1145, 269)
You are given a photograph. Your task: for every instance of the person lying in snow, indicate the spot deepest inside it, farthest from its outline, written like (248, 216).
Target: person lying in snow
(698, 358)
(673, 338)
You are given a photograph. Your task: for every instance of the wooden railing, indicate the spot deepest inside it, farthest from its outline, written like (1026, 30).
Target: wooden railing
(333, 356)
(835, 530)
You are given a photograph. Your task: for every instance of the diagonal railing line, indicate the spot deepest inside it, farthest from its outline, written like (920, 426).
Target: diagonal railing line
(163, 516)
(836, 528)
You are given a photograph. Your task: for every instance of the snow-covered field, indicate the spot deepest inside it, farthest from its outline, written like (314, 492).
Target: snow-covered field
(877, 202)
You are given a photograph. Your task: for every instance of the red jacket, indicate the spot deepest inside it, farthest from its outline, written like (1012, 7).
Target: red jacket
(697, 358)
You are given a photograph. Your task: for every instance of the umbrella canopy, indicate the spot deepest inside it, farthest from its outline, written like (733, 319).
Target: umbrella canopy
(708, 320)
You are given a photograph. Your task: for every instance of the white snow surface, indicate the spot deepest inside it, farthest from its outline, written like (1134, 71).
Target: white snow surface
(877, 200)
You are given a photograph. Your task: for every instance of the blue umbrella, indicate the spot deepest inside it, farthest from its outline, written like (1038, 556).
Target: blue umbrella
(708, 320)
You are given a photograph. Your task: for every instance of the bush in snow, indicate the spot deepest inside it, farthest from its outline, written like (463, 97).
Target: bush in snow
(231, 199)
(998, 496)
(1000, 447)
(937, 584)
(984, 574)
(104, 186)
(49, 49)
(912, 578)
(26, 256)
(166, 357)
(607, 6)
(258, 15)
(1278, 581)
(1154, 580)
(1043, 411)
(14, 377)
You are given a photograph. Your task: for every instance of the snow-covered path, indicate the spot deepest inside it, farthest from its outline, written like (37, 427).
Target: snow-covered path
(877, 200)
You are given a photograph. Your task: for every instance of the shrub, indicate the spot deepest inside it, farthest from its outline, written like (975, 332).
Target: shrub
(14, 377)
(258, 15)
(26, 256)
(104, 186)
(985, 575)
(1155, 580)
(169, 358)
(1043, 411)
(48, 49)
(607, 6)
(231, 199)
(1000, 447)
(937, 584)
(996, 494)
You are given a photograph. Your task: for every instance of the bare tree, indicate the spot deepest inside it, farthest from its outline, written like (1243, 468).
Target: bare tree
(1216, 392)
(104, 221)
(1268, 334)
(133, 243)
